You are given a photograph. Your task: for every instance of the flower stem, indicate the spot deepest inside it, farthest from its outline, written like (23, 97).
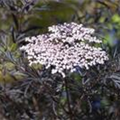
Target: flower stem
(68, 99)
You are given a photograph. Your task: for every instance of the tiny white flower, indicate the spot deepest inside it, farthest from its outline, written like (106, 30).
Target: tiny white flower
(54, 71)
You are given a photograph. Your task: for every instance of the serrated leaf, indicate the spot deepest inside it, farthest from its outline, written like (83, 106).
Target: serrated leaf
(115, 77)
(17, 73)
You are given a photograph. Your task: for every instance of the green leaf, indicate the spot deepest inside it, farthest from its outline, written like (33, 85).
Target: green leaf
(13, 47)
(116, 18)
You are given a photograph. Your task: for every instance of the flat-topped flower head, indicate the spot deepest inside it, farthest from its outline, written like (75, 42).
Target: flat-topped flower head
(65, 47)
(72, 32)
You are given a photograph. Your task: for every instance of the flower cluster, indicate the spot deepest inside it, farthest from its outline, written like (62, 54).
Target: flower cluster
(65, 47)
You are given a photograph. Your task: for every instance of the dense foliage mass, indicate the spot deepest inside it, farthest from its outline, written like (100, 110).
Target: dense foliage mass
(32, 92)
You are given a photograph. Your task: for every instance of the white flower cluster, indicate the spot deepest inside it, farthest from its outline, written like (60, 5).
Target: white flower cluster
(65, 47)
(72, 33)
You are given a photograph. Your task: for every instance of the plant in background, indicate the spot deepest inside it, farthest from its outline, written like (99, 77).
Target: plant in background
(94, 94)
(65, 47)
